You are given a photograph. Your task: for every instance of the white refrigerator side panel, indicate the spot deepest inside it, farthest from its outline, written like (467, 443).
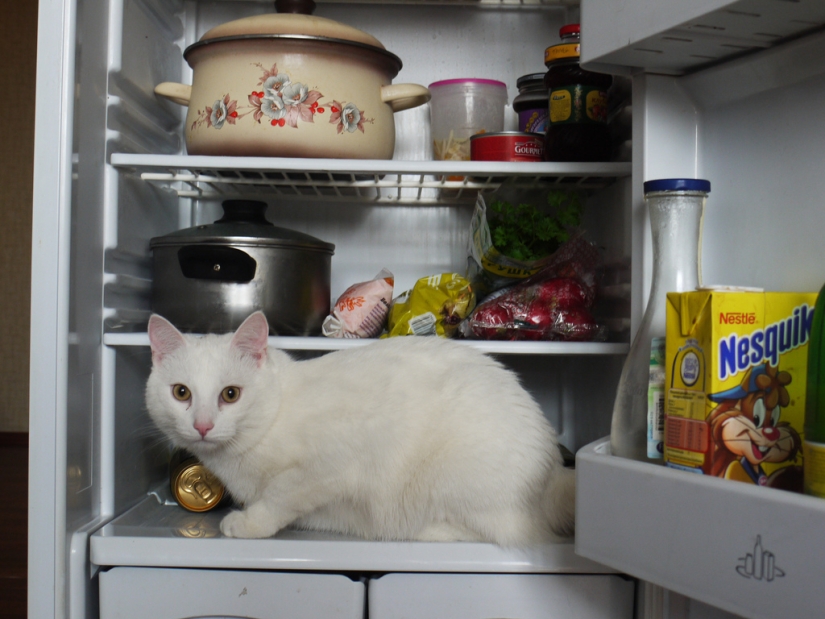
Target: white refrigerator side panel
(761, 142)
(51, 203)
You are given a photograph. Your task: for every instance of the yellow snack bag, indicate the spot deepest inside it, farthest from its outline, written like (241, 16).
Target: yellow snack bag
(435, 306)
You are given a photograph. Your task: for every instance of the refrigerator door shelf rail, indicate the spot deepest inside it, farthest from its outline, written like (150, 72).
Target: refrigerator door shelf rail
(346, 180)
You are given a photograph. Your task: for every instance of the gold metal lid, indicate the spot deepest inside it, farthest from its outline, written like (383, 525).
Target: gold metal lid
(195, 487)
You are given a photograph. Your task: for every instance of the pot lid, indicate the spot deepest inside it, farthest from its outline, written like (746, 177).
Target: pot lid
(243, 223)
(291, 24)
(294, 22)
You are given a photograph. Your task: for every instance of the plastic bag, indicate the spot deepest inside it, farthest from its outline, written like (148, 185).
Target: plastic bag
(488, 268)
(554, 304)
(436, 305)
(362, 310)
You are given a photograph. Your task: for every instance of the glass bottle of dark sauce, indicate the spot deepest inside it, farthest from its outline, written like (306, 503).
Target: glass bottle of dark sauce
(577, 128)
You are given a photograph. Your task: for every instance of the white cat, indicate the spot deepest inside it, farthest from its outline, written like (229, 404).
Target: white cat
(409, 438)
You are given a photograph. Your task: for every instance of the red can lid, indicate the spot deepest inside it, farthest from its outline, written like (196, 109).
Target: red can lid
(569, 29)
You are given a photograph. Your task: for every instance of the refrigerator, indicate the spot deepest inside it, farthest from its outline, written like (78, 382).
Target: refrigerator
(729, 91)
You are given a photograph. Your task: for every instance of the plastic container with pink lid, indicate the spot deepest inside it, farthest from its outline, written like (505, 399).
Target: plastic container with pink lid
(462, 108)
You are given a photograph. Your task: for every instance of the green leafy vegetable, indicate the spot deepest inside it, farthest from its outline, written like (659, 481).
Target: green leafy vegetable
(525, 233)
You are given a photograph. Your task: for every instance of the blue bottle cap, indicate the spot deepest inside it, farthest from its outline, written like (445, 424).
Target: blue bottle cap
(677, 184)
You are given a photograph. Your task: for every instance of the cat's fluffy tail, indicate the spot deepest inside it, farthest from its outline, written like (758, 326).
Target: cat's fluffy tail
(560, 502)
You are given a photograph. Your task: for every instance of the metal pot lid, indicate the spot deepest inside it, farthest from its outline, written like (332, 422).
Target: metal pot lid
(243, 223)
(294, 21)
(291, 24)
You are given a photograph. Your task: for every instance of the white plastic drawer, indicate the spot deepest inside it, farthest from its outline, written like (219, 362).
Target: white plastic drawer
(481, 596)
(152, 593)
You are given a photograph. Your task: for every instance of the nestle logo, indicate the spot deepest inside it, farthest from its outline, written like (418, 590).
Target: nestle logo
(737, 318)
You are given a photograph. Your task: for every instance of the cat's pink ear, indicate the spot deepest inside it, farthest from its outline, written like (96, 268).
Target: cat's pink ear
(251, 338)
(164, 338)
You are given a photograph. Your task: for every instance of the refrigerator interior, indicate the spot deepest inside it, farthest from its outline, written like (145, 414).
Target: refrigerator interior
(119, 176)
(748, 124)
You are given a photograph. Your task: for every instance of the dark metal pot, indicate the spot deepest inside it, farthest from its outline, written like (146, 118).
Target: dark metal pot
(210, 278)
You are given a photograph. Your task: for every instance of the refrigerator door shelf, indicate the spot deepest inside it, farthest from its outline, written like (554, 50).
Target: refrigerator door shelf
(753, 551)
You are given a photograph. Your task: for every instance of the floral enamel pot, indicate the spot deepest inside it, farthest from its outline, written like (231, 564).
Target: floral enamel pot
(292, 85)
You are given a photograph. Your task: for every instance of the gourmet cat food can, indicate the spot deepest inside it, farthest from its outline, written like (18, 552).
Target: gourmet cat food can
(507, 146)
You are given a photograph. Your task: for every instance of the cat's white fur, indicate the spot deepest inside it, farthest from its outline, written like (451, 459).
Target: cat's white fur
(409, 438)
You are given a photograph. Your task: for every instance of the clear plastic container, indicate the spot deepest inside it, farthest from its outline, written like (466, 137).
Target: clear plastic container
(676, 211)
(462, 108)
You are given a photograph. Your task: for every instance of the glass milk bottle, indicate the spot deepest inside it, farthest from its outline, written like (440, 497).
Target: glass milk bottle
(676, 208)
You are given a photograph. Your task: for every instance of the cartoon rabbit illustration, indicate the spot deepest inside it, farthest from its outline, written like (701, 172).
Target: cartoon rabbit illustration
(747, 432)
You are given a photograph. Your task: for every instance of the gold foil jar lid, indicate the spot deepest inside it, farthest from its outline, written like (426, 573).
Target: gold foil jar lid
(195, 487)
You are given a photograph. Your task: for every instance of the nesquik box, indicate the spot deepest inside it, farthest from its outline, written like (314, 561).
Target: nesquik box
(736, 368)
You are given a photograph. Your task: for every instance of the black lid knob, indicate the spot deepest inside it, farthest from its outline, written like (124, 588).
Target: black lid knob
(295, 6)
(244, 211)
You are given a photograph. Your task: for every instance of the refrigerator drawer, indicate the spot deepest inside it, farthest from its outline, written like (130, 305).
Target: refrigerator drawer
(141, 593)
(480, 596)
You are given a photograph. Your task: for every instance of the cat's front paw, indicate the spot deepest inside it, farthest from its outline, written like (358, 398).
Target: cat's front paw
(241, 524)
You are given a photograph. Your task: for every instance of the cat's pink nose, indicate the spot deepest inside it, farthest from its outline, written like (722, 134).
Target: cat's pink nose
(203, 427)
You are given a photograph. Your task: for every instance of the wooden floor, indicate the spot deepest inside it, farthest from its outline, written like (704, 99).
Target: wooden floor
(14, 460)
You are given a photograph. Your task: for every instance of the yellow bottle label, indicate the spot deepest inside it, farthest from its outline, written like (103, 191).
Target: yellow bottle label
(813, 462)
(565, 50)
(561, 106)
(577, 103)
(596, 106)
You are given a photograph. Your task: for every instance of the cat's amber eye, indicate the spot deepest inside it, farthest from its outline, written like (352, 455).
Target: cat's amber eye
(181, 392)
(230, 394)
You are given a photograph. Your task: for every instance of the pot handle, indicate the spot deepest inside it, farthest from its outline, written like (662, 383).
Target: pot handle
(177, 93)
(404, 96)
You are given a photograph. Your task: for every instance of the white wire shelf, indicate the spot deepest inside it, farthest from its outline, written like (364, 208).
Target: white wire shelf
(488, 346)
(429, 182)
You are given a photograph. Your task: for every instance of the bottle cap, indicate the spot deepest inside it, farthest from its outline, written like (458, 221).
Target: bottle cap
(677, 184)
(569, 29)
